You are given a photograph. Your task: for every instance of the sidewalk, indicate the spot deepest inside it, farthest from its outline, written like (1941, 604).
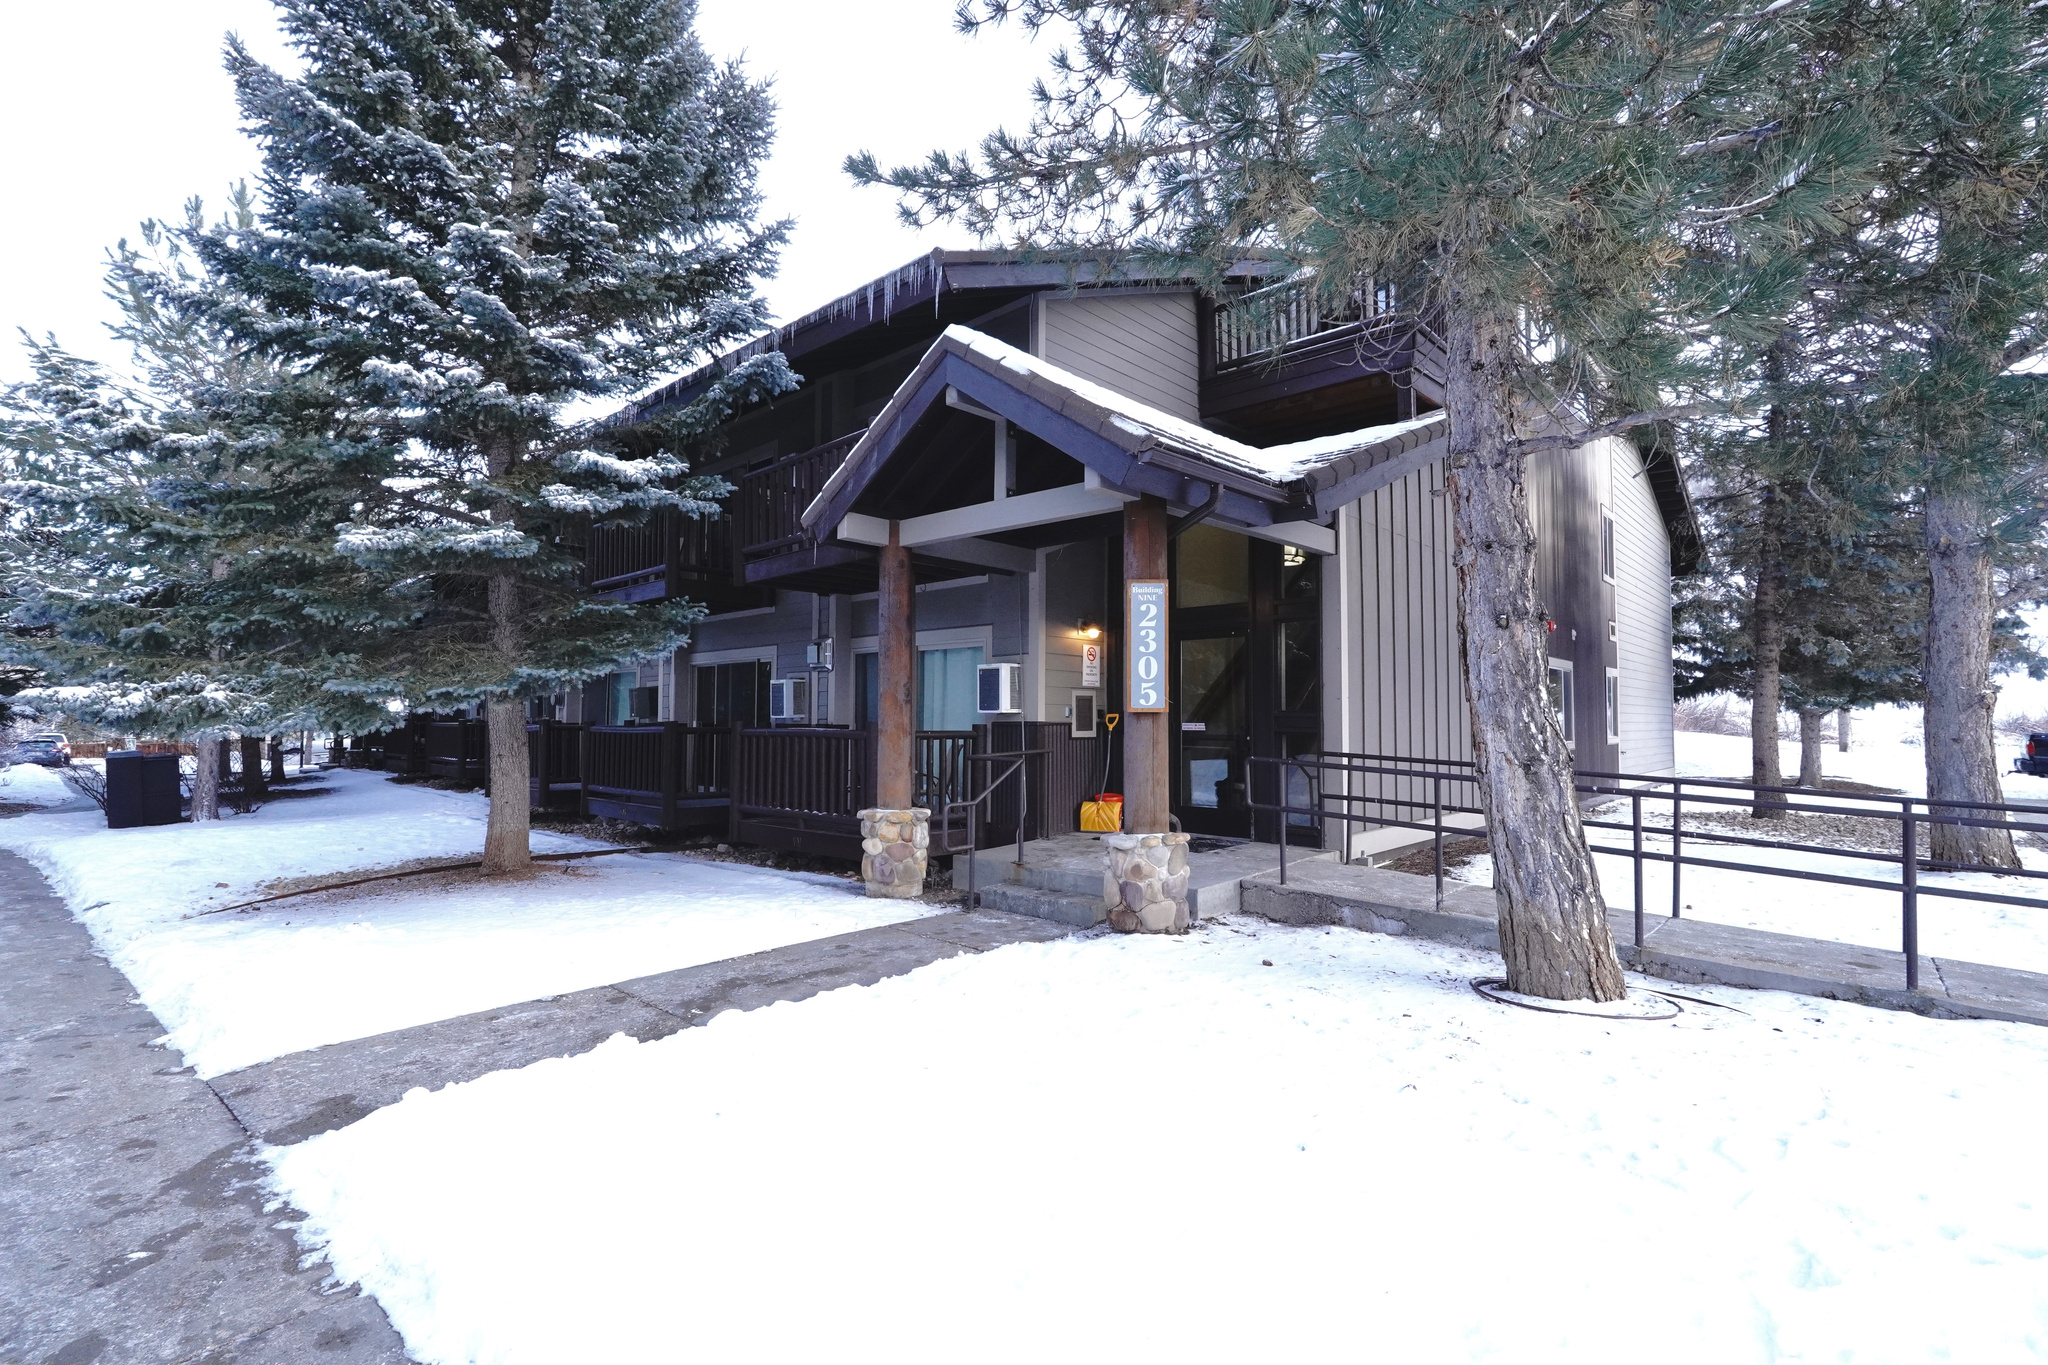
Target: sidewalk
(132, 1223)
(303, 1094)
(1699, 951)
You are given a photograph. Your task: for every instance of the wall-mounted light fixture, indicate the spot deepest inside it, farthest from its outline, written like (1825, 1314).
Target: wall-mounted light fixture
(1087, 629)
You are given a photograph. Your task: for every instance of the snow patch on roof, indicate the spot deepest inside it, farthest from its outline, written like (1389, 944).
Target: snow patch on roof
(1277, 464)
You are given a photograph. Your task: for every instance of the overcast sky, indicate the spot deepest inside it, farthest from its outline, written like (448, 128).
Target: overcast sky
(117, 110)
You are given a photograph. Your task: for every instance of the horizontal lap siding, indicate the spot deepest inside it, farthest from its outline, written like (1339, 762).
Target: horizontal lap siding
(1642, 571)
(1141, 345)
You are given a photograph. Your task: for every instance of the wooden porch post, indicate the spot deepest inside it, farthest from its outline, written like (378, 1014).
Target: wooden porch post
(894, 836)
(1147, 804)
(896, 657)
(1145, 887)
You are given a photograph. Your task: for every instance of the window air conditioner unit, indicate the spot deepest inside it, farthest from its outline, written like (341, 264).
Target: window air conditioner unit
(997, 687)
(788, 700)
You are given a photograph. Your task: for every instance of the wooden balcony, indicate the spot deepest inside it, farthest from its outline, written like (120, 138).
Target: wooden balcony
(671, 555)
(768, 514)
(1287, 361)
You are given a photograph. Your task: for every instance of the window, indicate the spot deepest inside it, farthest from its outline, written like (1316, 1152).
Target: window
(1613, 705)
(1559, 687)
(946, 688)
(733, 694)
(1213, 567)
(1606, 546)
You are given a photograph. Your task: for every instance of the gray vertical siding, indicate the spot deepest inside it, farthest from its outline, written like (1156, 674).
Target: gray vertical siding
(1391, 620)
(1642, 553)
(1143, 345)
(1401, 629)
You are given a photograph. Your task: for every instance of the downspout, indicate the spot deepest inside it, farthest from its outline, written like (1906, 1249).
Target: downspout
(1200, 513)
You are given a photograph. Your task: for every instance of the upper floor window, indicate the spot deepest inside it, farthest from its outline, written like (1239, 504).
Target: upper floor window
(1606, 546)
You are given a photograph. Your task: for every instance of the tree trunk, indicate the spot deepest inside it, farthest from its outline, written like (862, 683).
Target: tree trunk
(1810, 718)
(1553, 921)
(1842, 729)
(507, 842)
(1962, 759)
(253, 784)
(205, 780)
(274, 747)
(1767, 647)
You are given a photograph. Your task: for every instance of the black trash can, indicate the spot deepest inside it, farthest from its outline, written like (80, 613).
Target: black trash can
(142, 789)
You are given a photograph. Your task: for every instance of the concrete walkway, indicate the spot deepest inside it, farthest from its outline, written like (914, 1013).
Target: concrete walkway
(1326, 892)
(293, 1098)
(132, 1226)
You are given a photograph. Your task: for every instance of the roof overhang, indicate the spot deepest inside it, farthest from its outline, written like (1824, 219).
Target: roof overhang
(1126, 449)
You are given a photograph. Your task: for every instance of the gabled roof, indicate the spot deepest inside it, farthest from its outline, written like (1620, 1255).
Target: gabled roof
(1133, 446)
(917, 284)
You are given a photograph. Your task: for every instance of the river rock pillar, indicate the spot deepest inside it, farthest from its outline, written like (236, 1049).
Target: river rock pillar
(895, 835)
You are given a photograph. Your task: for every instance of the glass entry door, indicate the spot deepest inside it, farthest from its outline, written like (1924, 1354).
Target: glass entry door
(1247, 666)
(1215, 732)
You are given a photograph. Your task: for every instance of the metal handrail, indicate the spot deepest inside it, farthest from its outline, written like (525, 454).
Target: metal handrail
(973, 805)
(1911, 813)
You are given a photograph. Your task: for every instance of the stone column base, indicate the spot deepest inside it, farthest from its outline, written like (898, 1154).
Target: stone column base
(1145, 883)
(894, 848)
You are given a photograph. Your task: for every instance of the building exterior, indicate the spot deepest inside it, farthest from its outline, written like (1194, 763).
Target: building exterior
(997, 433)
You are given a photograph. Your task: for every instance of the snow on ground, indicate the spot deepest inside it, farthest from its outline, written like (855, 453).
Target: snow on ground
(31, 784)
(1154, 1148)
(239, 987)
(2002, 935)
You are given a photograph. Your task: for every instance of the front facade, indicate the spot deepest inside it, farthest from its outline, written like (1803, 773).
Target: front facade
(1006, 425)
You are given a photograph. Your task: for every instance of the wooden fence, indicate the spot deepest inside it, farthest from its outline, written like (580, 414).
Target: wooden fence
(796, 788)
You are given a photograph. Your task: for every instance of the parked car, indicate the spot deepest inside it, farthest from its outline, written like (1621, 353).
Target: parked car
(2035, 760)
(51, 751)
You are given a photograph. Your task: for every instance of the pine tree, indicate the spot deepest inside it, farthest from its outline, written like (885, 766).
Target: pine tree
(1586, 201)
(170, 564)
(476, 219)
(1955, 264)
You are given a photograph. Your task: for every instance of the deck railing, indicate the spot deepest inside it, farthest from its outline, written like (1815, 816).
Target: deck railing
(663, 774)
(942, 770)
(803, 772)
(457, 750)
(668, 542)
(769, 506)
(1269, 321)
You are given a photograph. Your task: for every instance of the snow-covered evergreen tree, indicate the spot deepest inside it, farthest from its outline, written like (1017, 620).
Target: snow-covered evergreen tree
(477, 219)
(170, 563)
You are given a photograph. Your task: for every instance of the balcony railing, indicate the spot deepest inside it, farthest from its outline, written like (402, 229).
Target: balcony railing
(669, 542)
(768, 509)
(1270, 321)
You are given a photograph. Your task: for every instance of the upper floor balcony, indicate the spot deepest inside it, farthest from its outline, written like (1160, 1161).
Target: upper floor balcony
(1288, 359)
(725, 561)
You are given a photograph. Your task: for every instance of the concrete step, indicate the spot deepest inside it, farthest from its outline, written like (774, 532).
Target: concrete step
(1080, 911)
(1067, 876)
